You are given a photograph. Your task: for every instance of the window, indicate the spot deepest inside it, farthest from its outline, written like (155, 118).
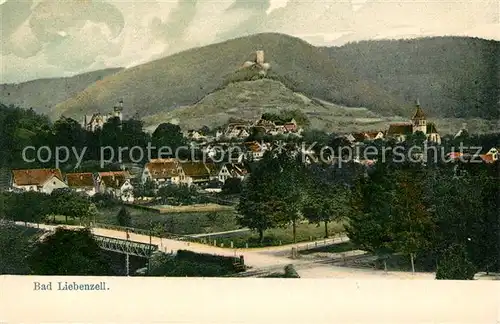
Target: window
(54, 183)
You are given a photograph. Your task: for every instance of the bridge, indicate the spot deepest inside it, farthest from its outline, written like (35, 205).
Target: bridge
(127, 247)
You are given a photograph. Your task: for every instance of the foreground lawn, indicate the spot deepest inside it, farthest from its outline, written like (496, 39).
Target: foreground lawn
(278, 236)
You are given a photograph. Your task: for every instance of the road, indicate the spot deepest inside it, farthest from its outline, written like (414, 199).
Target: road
(262, 260)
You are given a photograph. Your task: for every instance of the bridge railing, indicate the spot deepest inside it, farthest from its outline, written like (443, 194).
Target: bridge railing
(125, 246)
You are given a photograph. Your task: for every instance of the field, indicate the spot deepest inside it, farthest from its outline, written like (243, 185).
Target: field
(174, 222)
(278, 236)
(197, 208)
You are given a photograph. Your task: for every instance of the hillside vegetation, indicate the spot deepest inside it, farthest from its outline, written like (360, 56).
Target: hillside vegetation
(44, 94)
(452, 76)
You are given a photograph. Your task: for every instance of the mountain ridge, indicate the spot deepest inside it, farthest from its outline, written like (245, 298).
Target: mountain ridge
(384, 76)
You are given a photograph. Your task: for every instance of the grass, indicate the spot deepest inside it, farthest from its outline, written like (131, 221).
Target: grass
(279, 236)
(197, 208)
(211, 222)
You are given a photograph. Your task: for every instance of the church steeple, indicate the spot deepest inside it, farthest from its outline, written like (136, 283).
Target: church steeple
(419, 113)
(418, 119)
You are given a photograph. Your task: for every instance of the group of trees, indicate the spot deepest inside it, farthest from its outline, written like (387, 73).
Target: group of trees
(426, 212)
(22, 128)
(30, 251)
(39, 207)
(450, 223)
(282, 191)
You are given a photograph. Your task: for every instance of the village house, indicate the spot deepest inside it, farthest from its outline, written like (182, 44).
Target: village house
(194, 173)
(255, 150)
(162, 172)
(194, 135)
(237, 131)
(231, 170)
(115, 183)
(41, 180)
(82, 182)
(400, 131)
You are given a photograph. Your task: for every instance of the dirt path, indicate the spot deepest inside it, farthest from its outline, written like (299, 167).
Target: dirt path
(274, 258)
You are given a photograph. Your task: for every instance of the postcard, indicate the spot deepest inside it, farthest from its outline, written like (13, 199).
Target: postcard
(179, 161)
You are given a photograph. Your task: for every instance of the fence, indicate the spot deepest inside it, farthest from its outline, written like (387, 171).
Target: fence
(338, 238)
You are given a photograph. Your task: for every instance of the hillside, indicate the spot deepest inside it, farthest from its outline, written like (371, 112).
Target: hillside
(186, 77)
(452, 76)
(249, 100)
(44, 94)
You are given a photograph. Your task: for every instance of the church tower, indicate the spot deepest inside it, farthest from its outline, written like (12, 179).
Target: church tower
(418, 120)
(117, 110)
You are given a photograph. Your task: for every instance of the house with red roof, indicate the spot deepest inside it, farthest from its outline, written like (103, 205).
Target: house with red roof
(116, 183)
(82, 182)
(41, 180)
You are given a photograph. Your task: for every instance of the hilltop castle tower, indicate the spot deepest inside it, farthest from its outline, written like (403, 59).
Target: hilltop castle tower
(419, 121)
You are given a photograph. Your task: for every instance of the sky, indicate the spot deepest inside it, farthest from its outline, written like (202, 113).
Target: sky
(54, 38)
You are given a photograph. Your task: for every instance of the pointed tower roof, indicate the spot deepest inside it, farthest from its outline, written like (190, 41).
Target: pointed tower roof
(419, 113)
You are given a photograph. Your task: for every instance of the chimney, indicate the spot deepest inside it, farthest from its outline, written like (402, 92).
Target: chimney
(417, 102)
(464, 126)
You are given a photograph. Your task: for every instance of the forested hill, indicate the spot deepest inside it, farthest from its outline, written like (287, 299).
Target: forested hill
(452, 76)
(44, 94)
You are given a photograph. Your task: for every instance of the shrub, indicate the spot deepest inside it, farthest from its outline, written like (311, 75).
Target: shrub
(123, 218)
(290, 272)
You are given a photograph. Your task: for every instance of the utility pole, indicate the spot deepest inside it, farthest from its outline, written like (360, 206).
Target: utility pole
(150, 243)
(127, 260)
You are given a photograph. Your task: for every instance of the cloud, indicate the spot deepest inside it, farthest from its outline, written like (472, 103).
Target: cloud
(69, 34)
(177, 22)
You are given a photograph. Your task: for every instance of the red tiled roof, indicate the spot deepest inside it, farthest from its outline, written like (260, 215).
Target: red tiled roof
(163, 160)
(162, 170)
(113, 181)
(195, 169)
(34, 176)
(400, 129)
(79, 180)
(114, 173)
(487, 158)
(455, 155)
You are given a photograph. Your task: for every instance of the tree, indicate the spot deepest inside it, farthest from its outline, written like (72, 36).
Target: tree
(288, 188)
(325, 204)
(258, 200)
(411, 222)
(147, 189)
(455, 264)
(123, 218)
(70, 204)
(232, 186)
(168, 134)
(465, 211)
(70, 253)
(369, 221)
